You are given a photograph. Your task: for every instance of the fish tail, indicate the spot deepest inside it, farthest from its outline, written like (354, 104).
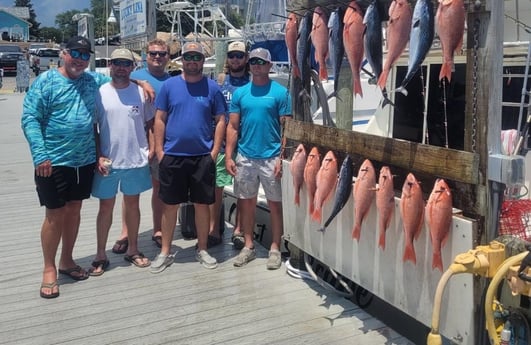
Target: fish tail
(323, 73)
(356, 232)
(297, 198)
(381, 241)
(402, 90)
(386, 99)
(437, 261)
(316, 215)
(357, 88)
(409, 253)
(446, 71)
(311, 208)
(296, 71)
(382, 80)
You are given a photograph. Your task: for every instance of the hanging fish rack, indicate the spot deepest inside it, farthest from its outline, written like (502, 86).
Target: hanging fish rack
(476, 174)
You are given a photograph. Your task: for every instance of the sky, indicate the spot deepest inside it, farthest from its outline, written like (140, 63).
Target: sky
(46, 10)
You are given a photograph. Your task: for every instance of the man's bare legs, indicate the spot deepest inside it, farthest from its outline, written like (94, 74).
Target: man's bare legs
(247, 215)
(215, 213)
(168, 221)
(275, 211)
(202, 224)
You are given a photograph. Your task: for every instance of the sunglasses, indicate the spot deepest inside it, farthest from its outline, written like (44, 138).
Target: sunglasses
(236, 55)
(76, 54)
(257, 61)
(194, 57)
(155, 53)
(122, 63)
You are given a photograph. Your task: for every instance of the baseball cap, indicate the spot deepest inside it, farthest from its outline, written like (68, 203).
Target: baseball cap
(237, 47)
(122, 53)
(260, 53)
(79, 42)
(192, 47)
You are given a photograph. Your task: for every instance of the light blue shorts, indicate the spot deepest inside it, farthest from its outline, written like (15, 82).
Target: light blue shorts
(131, 181)
(253, 172)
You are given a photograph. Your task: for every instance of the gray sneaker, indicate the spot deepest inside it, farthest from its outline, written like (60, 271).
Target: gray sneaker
(246, 255)
(160, 263)
(206, 260)
(274, 261)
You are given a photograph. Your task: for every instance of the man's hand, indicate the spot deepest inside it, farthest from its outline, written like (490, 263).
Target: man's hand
(278, 168)
(44, 169)
(230, 166)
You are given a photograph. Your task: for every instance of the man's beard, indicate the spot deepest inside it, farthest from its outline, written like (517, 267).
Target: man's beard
(238, 69)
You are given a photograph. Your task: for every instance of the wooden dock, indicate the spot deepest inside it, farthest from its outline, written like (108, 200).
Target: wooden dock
(186, 304)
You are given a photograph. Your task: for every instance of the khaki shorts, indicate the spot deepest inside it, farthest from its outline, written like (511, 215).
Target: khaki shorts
(253, 172)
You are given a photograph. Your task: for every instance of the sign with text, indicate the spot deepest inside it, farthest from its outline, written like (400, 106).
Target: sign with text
(133, 18)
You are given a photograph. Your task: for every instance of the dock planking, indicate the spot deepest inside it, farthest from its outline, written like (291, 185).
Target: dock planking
(186, 304)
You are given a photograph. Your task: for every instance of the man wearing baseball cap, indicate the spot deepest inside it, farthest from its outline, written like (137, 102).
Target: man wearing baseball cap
(124, 119)
(235, 74)
(187, 149)
(257, 111)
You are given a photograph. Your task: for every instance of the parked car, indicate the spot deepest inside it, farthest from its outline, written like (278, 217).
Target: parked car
(9, 55)
(102, 66)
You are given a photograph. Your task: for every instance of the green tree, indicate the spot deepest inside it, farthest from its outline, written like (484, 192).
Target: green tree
(34, 28)
(52, 34)
(66, 26)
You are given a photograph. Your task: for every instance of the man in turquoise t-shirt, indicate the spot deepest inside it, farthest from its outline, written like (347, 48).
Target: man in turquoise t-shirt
(256, 112)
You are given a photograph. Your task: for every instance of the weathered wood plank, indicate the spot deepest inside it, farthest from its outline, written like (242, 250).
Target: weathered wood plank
(450, 164)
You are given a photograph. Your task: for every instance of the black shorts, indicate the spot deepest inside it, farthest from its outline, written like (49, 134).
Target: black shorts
(65, 184)
(184, 179)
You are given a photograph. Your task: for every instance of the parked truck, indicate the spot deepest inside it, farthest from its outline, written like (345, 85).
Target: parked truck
(44, 59)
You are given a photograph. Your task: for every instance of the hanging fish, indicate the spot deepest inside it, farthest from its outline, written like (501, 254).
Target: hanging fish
(372, 42)
(311, 169)
(319, 36)
(363, 195)
(292, 31)
(304, 46)
(450, 23)
(353, 41)
(420, 40)
(343, 190)
(412, 212)
(326, 182)
(439, 219)
(296, 167)
(335, 46)
(385, 202)
(398, 28)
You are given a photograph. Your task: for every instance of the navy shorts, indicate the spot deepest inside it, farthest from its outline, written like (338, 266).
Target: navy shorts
(184, 179)
(65, 184)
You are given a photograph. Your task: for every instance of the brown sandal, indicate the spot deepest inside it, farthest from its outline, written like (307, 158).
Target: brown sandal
(120, 246)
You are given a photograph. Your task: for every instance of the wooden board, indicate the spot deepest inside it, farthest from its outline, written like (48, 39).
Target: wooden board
(445, 163)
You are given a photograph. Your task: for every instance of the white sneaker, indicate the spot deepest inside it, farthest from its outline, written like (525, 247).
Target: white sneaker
(246, 255)
(274, 261)
(160, 263)
(206, 260)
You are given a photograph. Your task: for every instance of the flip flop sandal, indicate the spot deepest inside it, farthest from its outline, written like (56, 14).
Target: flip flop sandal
(132, 259)
(82, 275)
(120, 246)
(49, 286)
(157, 240)
(102, 265)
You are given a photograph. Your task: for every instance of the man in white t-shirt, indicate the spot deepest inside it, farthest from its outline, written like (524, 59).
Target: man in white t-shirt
(123, 119)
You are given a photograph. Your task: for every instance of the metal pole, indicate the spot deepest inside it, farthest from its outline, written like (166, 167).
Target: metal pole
(106, 30)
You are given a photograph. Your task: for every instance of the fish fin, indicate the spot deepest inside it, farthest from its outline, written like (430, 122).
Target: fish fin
(356, 232)
(381, 240)
(409, 253)
(437, 261)
(382, 80)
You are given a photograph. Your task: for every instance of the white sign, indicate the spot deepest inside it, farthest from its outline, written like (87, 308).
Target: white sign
(82, 27)
(133, 18)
